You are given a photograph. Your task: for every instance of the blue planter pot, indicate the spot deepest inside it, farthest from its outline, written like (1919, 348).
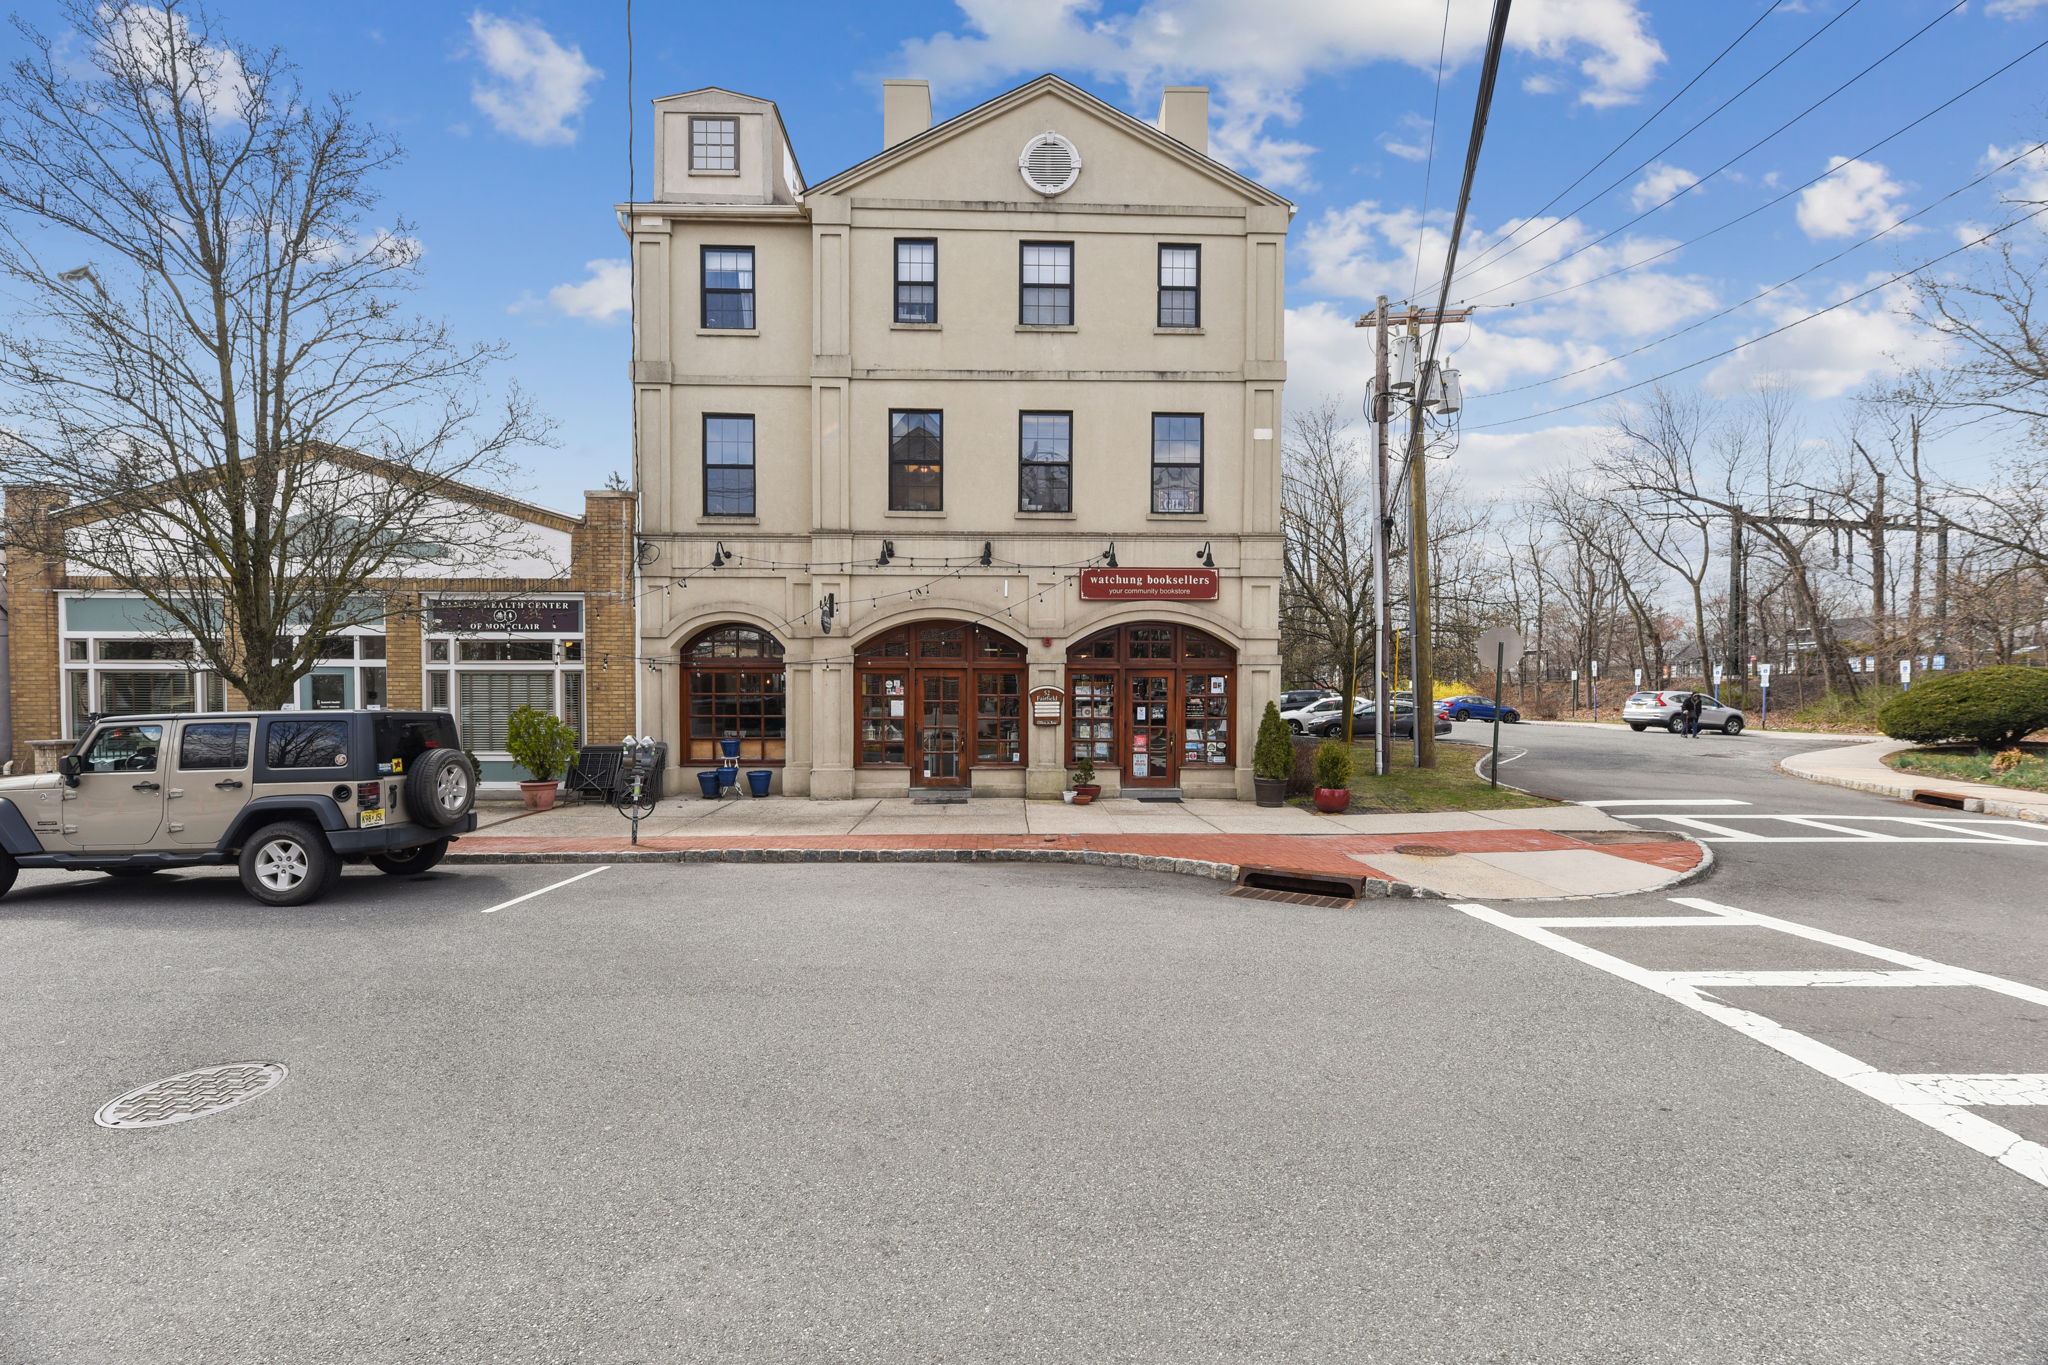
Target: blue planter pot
(709, 783)
(758, 780)
(728, 777)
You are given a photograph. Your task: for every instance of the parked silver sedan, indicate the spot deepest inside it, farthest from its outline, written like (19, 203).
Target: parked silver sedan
(1660, 709)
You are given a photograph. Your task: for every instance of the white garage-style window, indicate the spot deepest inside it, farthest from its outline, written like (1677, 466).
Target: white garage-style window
(487, 657)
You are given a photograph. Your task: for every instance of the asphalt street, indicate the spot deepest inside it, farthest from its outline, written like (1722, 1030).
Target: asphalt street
(788, 1113)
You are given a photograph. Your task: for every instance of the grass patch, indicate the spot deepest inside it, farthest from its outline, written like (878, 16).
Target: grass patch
(1844, 715)
(2028, 773)
(1451, 785)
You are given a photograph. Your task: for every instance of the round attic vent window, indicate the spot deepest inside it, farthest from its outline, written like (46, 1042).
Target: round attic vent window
(1050, 164)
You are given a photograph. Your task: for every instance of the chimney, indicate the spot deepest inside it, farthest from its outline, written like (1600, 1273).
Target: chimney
(1184, 114)
(906, 110)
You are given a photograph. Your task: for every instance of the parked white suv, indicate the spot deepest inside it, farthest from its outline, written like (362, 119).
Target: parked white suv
(1323, 708)
(1660, 709)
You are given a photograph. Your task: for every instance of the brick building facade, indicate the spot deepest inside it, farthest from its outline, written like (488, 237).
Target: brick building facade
(556, 630)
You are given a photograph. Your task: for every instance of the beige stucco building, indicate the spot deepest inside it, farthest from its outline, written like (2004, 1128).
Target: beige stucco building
(907, 437)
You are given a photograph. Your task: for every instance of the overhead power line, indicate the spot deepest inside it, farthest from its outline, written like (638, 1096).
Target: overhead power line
(1775, 331)
(1436, 100)
(1687, 189)
(1763, 293)
(1633, 134)
(1796, 189)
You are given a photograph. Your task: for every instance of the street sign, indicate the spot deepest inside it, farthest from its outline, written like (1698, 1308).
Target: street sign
(1719, 673)
(1905, 672)
(1763, 674)
(1499, 641)
(1596, 668)
(1639, 677)
(1575, 675)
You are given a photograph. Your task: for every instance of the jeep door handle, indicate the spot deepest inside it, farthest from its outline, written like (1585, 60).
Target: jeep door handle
(227, 783)
(148, 786)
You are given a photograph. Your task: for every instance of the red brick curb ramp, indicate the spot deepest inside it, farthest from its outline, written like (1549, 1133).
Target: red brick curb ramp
(1218, 856)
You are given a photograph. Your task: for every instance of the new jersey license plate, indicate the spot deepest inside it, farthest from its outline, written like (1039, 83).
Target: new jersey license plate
(372, 818)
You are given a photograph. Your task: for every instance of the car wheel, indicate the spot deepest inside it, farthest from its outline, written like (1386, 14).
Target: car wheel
(1637, 726)
(1294, 726)
(1461, 715)
(410, 862)
(1511, 717)
(1733, 727)
(288, 864)
(1676, 725)
(441, 788)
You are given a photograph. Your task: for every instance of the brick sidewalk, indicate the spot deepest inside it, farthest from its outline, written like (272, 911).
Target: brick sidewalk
(1502, 863)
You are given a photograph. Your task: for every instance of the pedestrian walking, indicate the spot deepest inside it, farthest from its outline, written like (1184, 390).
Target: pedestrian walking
(1689, 712)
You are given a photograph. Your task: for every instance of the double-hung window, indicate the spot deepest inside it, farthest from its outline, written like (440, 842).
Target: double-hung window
(916, 462)
(1176, 462)
(1045, 462)
(728, 464)
(729, 287)
(1180, 286)
(714, 144)
(1046, 285)
(917, 279)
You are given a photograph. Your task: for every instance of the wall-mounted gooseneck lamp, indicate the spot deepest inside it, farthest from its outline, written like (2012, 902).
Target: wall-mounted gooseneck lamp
(719, 556)
(1109, 556)
(988, 555)
(825, 610)
(888, 553)
(1206, 559)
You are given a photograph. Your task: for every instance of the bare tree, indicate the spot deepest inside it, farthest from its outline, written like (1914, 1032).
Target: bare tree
(206, 357)
(1326, 515)
(1668, 438)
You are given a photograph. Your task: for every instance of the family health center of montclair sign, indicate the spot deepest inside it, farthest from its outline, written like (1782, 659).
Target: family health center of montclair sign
(1185, 585)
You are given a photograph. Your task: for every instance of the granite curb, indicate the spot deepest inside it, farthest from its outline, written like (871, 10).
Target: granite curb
(1882, 780)
(1375, 888)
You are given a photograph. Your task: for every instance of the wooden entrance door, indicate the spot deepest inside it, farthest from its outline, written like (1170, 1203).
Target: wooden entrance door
(1149, 732)
(940, 758)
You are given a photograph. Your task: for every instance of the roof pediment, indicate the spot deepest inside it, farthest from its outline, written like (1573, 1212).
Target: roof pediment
(1039, 97)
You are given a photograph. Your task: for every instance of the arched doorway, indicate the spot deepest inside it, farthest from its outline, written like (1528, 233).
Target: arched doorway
(1151, 699)
(734, 691)
(939, 699)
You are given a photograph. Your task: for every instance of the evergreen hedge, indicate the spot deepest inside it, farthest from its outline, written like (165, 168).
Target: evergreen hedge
(1273, 755)
(1996, 707)
(1333, 766)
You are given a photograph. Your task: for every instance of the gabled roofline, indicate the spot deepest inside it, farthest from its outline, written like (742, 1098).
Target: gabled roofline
(987, 109)
(788, 142)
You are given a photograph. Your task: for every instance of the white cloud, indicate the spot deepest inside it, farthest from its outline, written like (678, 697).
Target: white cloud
(1259, 56)
(1660, 183)
(2029, 175)
(1539, 85)
(534, 86)
(1832, 354)
(1409, 139)
(1857, 197)
(2013, 9)
(606, 296)
(157, 45)
(1498, 462)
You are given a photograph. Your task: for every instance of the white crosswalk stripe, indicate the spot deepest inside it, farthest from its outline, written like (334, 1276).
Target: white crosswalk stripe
(1788, 828)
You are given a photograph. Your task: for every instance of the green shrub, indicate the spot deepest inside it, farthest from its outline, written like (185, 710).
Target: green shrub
(540, 743)
(1995, 707)
(1333, 766)
(1273, 756)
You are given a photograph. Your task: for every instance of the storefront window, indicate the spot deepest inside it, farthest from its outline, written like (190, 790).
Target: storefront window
(1150, 699)
(940, 698)
(122, 657)
(490, 656)
(736, 692)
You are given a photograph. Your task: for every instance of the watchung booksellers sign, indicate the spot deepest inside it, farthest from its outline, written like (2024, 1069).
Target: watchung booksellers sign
(1179, 585)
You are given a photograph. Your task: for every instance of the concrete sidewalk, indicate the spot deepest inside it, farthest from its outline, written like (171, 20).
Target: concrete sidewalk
(1543, 852)
(1861, 767)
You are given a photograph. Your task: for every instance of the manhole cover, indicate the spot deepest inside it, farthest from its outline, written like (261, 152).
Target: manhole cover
(192, 1095)
(1426, 850)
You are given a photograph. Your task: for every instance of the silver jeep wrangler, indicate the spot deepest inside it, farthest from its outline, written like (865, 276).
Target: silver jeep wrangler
(288, 796)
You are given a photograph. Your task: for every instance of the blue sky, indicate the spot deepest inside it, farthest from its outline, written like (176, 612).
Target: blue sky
(515, 116)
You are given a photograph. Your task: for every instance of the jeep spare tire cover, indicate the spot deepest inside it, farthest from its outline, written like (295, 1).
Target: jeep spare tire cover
(441, 787)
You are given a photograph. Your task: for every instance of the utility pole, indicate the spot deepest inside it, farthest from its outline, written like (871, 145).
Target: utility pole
(1426, 380)
(1382, 402)
(1733, 658)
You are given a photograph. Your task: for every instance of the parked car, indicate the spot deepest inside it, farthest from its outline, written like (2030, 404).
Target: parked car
(1475, 708)
(1365, 723)
(1301, 718)
(1645, 709)
(286, 796)
(1295, 698)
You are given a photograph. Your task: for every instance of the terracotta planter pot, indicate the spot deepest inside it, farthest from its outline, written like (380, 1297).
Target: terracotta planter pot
(1333, 800)
(1270, 791)
(539, 795)
(1082, 798)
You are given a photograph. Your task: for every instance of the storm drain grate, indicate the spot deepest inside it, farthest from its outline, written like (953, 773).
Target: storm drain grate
(1261, 893)
(1426, 850)
(190, 1095)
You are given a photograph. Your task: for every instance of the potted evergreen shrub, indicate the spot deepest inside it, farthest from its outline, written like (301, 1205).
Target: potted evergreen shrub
(1272, 759)
(545, 746)
(1333, 778)
(1085, 788)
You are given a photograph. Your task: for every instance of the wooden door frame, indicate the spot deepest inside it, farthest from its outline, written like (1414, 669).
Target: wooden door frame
(1162, 767)
(913, 737)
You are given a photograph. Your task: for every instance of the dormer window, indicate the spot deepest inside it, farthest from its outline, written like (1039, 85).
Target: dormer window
(714, 144)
